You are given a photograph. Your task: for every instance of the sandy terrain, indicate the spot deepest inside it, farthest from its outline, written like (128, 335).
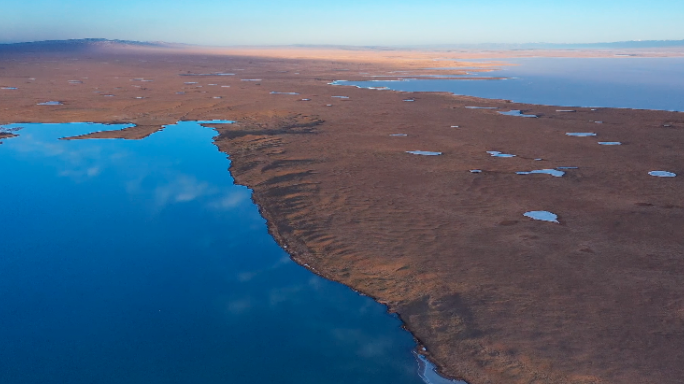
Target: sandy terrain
(495, 297)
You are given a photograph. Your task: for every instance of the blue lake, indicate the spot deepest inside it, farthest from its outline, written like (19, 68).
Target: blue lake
(141, 262)
(642, 83)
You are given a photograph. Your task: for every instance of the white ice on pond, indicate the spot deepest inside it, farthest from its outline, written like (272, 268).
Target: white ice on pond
(515, 112)
(542, 216)
(552, 172)
(424, 153)
(662, 174)
(499, 154)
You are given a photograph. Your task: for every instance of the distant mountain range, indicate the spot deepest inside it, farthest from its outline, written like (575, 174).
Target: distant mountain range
(77, 45)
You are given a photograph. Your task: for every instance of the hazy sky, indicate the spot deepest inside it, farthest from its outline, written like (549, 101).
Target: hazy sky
(354, 22)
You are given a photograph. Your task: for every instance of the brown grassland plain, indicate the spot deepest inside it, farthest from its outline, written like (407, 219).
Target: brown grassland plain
(494, 296)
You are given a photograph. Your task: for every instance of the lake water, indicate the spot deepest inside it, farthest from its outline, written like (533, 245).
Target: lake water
(643, 83)
(141, 262)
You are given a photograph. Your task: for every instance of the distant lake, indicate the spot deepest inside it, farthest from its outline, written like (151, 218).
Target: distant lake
(642, 83)
(141, 262)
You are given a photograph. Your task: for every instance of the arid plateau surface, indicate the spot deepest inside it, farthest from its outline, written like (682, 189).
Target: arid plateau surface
(495, 297)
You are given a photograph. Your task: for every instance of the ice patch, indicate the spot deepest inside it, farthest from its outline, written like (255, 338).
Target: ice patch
(515, 112)
(499, 154)
(542, 216)
(51, 103)
(428, 373)
(662, 174)
(552, 172)
(580, 134)
(424, 153)
(609, 143)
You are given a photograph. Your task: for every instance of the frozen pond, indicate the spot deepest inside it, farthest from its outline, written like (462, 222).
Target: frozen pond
(542, 216)
(499, 154)
(662, 174)
(552, 172)
(424, 153)
(516, 112)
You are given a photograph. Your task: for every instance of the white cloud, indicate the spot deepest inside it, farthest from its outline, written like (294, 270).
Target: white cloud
(231, 200)
(183, 189)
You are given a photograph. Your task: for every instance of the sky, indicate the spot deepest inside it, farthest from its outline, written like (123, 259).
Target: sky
(344, 22)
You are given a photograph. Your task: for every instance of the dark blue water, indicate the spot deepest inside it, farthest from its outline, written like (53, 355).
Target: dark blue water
(642, 83)
(140, 262)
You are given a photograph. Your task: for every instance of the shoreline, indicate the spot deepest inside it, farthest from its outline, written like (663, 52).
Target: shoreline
(513, 101)
(419, 350)
(446, 250)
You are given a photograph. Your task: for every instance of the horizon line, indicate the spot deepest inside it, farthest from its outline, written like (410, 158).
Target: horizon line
(157, 42)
